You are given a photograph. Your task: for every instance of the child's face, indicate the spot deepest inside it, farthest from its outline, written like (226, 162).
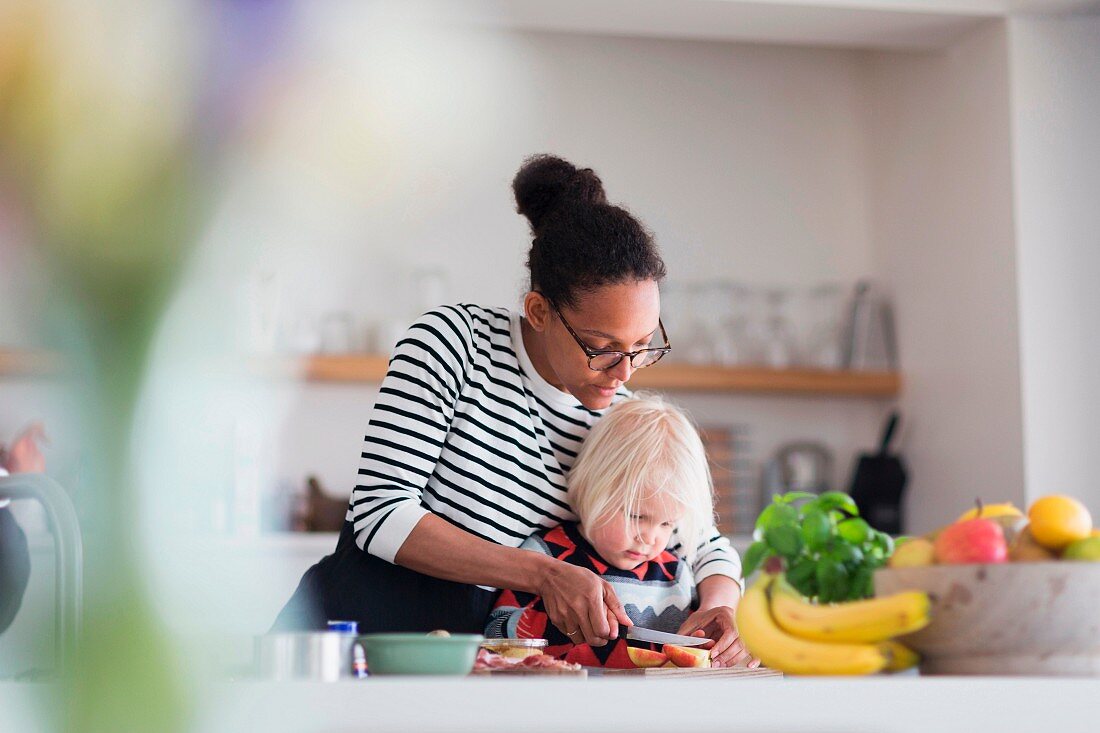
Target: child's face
(627, 542)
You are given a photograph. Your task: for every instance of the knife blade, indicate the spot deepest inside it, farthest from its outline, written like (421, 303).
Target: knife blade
(639, 633)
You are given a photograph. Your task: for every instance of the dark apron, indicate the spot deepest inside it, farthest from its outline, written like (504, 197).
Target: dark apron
(353, 585)
(15, 567)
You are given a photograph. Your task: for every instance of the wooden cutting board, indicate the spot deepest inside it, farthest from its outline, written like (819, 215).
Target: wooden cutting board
(652, 672)
(682, 672)
(528, 672)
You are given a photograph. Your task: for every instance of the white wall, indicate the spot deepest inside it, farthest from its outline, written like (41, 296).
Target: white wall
(941, 197)
(746, 161)
(1056, 143)
(381, 152)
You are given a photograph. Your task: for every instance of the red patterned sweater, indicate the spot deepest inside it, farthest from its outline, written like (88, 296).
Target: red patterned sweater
(658, 594)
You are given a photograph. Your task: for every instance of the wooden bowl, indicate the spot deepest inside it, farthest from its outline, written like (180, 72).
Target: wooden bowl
(1037, 618)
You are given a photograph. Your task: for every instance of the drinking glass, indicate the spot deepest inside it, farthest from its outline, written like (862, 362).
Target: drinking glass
(821, 337)
(779, 338)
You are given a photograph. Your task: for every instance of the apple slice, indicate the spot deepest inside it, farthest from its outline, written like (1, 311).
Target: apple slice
(646, 657)
(687, 656)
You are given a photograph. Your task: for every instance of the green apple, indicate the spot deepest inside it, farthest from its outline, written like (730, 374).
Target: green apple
(914, 553)
(1086, 549)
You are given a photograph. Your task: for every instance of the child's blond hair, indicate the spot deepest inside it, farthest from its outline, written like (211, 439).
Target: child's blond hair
(643, 446)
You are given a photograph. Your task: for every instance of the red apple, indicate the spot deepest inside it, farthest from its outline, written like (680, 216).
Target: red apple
(971, 541)
(646, 657)
(687, 656)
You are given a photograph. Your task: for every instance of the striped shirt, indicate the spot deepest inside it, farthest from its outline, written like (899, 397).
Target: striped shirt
(465, 428)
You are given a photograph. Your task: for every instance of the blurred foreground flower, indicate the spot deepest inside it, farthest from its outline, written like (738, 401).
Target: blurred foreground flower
(100, 147)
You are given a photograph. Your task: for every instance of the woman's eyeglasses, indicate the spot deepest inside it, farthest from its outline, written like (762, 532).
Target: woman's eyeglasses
(600, 360)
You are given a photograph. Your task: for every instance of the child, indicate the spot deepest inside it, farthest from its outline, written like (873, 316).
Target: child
(640, 474)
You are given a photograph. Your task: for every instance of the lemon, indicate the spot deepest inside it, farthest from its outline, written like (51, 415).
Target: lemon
(989, 511)
(1057, 520)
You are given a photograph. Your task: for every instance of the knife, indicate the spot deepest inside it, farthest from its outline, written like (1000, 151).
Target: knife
(637, 633)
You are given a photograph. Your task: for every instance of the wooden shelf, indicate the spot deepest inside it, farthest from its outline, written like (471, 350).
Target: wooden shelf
(353, 368)
(26, 363)
(761, 380)
(371, 368)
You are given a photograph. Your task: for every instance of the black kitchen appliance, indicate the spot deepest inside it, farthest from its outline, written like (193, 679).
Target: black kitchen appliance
(878, 484)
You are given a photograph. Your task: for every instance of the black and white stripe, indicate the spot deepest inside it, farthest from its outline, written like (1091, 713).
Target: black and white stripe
(465, 428)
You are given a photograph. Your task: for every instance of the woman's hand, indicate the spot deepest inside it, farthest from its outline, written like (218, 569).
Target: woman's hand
(581, 604)
(718, 624)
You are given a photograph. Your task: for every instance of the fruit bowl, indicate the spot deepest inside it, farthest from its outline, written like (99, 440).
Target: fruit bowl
(1037, 618)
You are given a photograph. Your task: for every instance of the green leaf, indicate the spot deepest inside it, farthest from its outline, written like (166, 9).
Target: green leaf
(802, 574)
(753, 557)
(777, 515)
(792, 496)
(832, 581)
(816, 529)
(862, 584)
(842, 588)
(838, 500)
(883, 542)
(854, 531)
(888, 544)
(845, 554)
(785, 540)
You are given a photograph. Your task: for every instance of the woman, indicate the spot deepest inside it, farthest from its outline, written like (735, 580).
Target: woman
(477, 422)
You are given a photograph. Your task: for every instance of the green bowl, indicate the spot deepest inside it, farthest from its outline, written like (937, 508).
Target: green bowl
(421, 654)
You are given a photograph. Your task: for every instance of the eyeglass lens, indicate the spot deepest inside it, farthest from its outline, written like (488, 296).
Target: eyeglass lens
(603, 362)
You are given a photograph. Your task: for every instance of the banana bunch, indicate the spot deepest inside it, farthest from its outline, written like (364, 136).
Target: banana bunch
(789, 633)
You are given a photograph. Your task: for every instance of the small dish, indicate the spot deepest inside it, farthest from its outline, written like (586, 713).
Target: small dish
(515, 648)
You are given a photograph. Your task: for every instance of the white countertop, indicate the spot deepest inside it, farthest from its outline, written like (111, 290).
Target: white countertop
(897, 704)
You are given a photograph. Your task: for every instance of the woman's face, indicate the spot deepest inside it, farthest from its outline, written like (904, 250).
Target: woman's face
(622, 316)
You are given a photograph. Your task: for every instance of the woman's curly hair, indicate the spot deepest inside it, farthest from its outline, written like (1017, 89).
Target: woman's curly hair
(580, 241)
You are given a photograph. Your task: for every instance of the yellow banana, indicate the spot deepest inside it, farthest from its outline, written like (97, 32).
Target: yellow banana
(779, 650)
(872, 620)
(901, 656)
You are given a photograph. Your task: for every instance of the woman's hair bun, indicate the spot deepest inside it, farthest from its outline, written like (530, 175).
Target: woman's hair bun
(545, 182)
